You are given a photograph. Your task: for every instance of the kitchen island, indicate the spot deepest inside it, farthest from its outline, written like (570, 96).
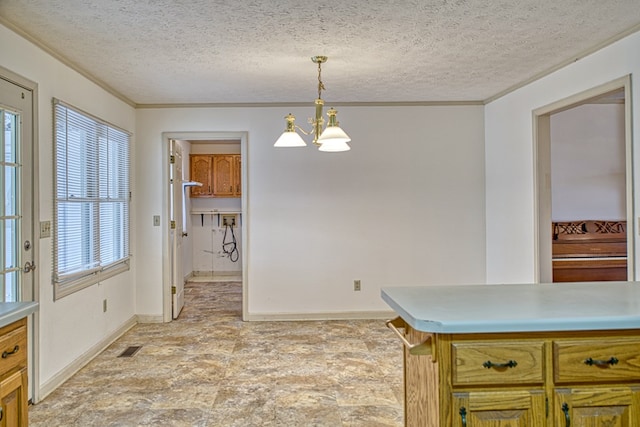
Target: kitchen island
(542, 355)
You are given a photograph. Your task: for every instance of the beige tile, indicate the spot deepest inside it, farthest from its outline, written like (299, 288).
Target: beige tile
(208, 368)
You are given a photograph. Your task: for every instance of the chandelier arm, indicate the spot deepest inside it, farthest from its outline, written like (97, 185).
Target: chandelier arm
(304, 131)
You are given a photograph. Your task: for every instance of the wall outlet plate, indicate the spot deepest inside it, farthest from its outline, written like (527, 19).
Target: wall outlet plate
(357, 285)
(229, 219)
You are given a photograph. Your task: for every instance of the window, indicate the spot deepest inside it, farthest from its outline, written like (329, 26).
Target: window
(91, 201)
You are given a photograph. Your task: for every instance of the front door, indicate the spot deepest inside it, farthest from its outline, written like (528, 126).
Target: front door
(17, 251)
(17, 255)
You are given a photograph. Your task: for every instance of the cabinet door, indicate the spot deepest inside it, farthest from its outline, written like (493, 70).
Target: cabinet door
(223, 176)
(13, 399)
(517, 408)
(201, 168)
(597, 407)
(237, 174)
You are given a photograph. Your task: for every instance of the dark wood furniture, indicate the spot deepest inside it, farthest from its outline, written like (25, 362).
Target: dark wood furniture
(589, 251)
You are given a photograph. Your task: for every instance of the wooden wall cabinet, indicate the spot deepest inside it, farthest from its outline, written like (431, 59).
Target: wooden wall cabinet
(220, 175)
(201, 170)
(13, 375)
(539, 379)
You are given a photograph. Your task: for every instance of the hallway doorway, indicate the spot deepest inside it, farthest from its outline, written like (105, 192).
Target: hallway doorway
(210, 241)
(584, 186)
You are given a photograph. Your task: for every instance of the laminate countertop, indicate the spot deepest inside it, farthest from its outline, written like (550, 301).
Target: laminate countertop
(12, 311)
(517, 307)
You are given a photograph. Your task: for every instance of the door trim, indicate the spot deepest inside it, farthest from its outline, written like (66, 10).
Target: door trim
(166, 268)
(542, 178)
(34, 319)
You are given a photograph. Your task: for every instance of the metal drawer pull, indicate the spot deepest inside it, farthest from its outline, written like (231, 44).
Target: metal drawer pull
(567, 418)
(415, 349)
(463, 415)
(6, 354)
(592, 362)
(510, 364)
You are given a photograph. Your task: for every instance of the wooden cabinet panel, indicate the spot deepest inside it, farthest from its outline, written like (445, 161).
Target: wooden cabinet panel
(518, 408)
(421, 396)
(237, 174)
(219, 173)
(13, 375)
(498, 362)
(602, 360)
(201, 167)
(13, 400)
(13, 349)
(597, 407)
(223, 176)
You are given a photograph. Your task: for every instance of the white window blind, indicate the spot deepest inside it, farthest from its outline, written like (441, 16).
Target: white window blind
(91, 223)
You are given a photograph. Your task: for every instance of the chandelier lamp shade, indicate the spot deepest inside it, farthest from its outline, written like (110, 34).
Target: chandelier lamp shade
(330, 139)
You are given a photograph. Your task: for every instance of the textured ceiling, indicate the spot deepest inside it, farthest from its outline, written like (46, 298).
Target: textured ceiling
(253, 51)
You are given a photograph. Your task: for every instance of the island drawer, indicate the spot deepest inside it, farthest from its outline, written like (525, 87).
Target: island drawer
(497, 362)
(13, 347)
(596, 360)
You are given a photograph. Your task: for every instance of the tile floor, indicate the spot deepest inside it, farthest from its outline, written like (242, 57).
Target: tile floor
(209, 368)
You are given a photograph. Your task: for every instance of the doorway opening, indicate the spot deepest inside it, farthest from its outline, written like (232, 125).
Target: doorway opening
(584, 187)
(206, 202)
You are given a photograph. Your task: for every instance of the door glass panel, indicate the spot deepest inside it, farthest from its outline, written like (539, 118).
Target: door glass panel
(11, 286)
(11, 239)
(10, 221)
(10, 187)
(10, 137)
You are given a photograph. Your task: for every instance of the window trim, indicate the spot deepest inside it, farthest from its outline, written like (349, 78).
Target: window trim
(73, 282)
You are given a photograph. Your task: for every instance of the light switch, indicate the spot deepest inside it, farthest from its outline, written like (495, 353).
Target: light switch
(45, 229)
(156, 220)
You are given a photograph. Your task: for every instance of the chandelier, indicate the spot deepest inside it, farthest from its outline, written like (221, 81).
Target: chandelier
(331, 139)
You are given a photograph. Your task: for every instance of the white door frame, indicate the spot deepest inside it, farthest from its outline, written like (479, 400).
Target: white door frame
(166, 256)
(542, 179)
(34, 319)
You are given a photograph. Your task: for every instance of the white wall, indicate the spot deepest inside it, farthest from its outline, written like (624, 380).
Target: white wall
(404, 207)
(71, 326)
(509, 154)
(588, 169)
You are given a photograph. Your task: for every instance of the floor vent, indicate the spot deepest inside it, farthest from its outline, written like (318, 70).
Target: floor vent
(130, 351)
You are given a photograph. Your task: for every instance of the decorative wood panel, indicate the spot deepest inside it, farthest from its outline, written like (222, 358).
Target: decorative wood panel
(597, 407)
(515, 408)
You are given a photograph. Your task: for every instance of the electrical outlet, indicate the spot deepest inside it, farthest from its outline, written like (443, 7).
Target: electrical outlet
(229, 219)
(104, 305)
(356, 285)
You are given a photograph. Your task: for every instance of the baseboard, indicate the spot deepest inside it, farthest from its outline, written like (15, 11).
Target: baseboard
(148, 318)
(351, 315)
(67, 372)
(196, 274)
